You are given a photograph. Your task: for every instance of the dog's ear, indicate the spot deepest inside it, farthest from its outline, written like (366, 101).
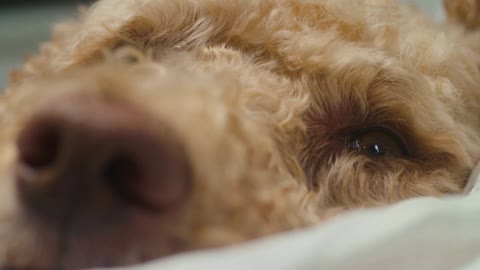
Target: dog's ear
(464, 12)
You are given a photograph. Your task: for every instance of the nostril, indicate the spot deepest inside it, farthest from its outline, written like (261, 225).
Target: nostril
(146, 177)
(119, 172)
(38, 144)
(121, 169)
(129, 179)
(126, 176)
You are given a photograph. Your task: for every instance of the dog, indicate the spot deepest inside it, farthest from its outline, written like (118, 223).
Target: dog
(146, 128)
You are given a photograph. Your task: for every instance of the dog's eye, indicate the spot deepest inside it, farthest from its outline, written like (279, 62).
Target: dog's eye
(377, 142)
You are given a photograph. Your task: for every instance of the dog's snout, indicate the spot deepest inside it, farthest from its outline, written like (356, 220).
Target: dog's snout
(86, 153)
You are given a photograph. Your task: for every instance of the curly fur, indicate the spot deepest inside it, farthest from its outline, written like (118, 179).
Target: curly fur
(262, 94)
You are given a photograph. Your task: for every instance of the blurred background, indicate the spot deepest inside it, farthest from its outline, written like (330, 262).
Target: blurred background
(24, 24)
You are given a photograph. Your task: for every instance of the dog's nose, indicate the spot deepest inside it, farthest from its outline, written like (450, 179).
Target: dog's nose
(82, 152)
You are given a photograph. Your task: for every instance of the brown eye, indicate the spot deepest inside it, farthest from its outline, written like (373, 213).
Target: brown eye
(378, 142)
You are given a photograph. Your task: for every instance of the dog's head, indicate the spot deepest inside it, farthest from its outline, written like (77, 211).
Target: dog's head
(149, 128)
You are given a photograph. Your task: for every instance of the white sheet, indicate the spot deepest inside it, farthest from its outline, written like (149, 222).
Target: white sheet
(424, 233)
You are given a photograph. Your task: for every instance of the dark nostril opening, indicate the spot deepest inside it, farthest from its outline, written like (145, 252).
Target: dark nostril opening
(38, 144)
(122, 169)
(143, 183)
(121, 172)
